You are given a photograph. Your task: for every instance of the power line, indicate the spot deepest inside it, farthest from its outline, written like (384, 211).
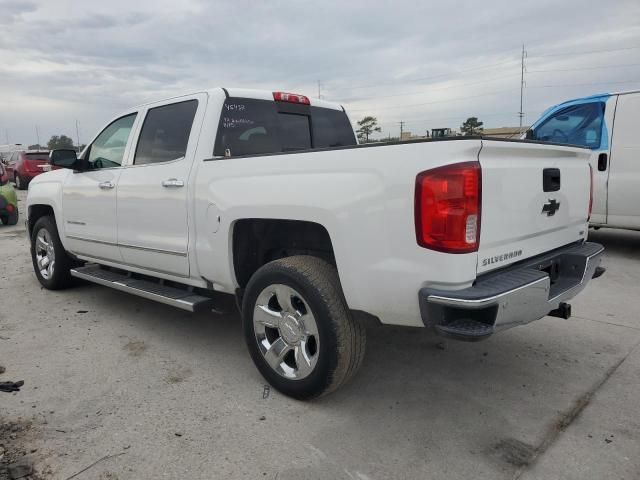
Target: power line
(585, 68)
(585, 52)
(583, 84)
(394, 82)
(438, 101)
(493, 93)
(417, 121)
(434, 88)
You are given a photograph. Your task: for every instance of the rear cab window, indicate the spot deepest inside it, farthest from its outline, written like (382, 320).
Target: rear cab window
(574, 125)
(252, 127)
(39, 156)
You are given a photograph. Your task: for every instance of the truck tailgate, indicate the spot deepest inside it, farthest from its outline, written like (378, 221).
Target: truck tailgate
(519, 218)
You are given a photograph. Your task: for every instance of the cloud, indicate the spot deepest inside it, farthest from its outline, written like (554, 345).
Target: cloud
(429, 64)
(12, 10)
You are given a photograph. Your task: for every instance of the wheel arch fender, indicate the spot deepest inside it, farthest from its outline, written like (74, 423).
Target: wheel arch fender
(45, 198)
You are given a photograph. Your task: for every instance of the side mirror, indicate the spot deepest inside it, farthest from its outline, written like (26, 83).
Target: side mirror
(63, 158)
(529, 134)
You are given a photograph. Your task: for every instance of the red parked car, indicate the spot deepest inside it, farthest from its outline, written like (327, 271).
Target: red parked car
(22, 166)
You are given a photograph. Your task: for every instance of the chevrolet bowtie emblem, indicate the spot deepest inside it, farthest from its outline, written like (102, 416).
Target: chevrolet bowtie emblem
(551, 208)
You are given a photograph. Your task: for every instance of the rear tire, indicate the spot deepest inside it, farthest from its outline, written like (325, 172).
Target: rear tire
(51, 263)
(20, 184)
(295, 307)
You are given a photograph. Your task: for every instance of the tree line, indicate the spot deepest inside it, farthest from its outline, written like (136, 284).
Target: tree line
(57, 142)
(369, 125)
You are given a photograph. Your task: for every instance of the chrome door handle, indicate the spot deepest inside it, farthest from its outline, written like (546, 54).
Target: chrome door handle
(172, 183)
(106, 185)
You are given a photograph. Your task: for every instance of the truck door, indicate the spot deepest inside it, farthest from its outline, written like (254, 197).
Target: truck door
(624, 177)
(153, 190)
(89, 197)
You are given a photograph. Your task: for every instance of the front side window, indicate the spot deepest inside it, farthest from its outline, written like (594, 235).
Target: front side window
(574, 125)
(107, 151)
(165, 133)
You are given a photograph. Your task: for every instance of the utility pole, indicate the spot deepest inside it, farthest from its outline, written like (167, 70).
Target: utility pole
(319, 87)
(6, 134)
(401, 128)
(38, 137)
(77, 135)
(521, 112)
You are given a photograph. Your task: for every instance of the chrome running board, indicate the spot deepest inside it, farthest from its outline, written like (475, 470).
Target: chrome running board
(176, 297)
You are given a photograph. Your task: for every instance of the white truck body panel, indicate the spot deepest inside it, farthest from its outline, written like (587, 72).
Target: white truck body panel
(363, 196)
(512, 222)
(623, 192)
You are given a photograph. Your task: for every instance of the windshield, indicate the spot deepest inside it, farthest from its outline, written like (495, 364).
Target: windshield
(574, 125)
(251, 127)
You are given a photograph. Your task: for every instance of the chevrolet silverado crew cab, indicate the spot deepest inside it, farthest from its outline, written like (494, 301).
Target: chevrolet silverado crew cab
(267, 196)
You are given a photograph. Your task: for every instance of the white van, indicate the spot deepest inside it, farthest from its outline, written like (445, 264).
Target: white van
(609, 124)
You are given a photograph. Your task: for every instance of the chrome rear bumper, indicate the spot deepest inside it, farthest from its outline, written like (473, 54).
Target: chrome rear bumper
(512, 296)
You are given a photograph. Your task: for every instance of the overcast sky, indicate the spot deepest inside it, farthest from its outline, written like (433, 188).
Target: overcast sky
(426, 63)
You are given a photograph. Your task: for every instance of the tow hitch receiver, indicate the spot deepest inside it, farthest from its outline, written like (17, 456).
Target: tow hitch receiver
(563, 311)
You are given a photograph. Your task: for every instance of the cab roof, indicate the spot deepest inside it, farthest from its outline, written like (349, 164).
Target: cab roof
(252, 93)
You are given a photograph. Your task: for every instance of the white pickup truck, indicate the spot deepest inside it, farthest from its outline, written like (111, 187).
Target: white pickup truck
(267, 196)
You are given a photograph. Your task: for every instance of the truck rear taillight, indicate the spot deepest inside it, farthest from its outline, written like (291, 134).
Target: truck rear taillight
(590, 192)
(291, 98)
(447, 208)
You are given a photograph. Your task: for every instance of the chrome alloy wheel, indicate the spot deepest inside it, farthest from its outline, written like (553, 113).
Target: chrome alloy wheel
(45, 254)
(286, 331)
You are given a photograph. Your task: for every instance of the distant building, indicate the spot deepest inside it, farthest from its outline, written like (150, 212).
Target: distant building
(505, 132)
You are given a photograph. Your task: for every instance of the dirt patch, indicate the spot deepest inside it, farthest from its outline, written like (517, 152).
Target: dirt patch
(177, 376)
(514, 452)
(16, 456)
(135, 349)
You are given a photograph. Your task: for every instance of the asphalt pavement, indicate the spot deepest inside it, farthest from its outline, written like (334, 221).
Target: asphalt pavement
(118, 387)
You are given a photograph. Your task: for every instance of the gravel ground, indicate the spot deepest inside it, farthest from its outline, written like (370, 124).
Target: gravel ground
(149, 392)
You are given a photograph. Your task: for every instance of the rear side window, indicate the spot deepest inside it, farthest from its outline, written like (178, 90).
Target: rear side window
(44, 156)
(252, 127)
(165, 133)
(331, 128)
(574, 125)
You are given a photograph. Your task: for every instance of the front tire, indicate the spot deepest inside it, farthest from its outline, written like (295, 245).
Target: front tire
(51, 263)
(298, 328)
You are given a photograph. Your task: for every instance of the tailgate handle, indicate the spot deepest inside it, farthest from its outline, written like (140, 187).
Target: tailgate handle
(602, 162)
(550, 179)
